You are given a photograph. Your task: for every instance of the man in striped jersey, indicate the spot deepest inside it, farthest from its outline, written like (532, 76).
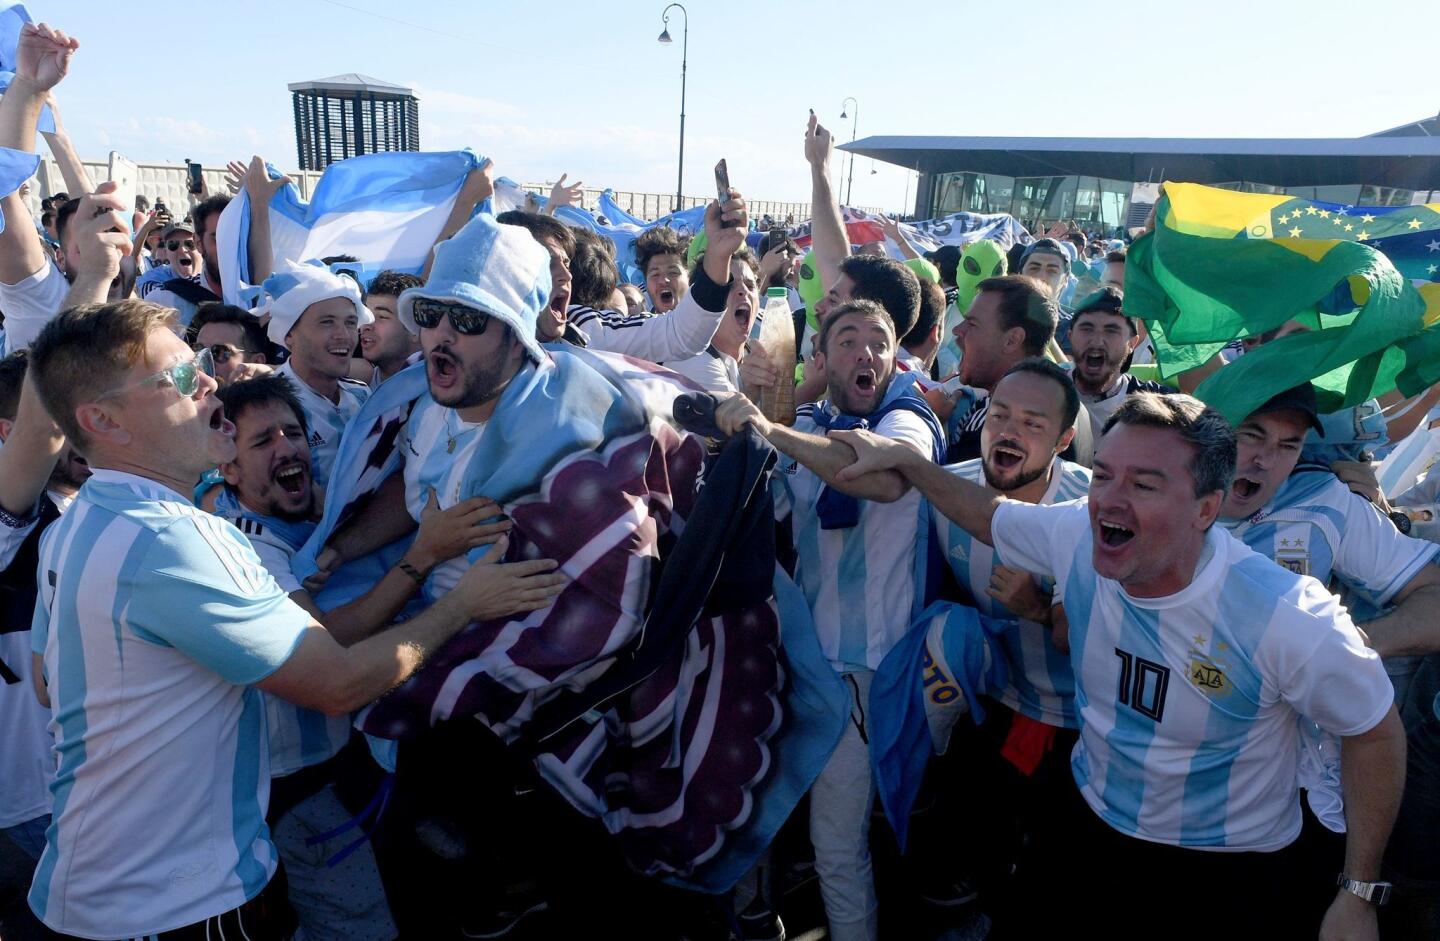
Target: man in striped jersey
(159, 626)
(856, 547)
(1017, 764)
(1195, 660)
(1310, 522)
(269, 495)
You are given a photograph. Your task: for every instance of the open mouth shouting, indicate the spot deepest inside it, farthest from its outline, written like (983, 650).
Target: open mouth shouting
(293, 477)
(444, 372)
(1006, 456)
(864, 383)
(559, 305)
(219, 423)
(1113, 535)
(665, 300)
(1245, 490)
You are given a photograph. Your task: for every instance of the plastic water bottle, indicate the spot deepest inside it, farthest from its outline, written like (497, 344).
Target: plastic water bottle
(777, 335)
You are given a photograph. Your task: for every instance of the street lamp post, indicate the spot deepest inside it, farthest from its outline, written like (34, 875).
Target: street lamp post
(854, 122)
(684, 55)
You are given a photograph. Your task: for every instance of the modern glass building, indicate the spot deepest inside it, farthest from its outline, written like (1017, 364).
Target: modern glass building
(1094, 180)
(348, 115)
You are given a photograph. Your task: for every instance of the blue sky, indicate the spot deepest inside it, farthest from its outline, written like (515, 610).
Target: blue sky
(584, 88)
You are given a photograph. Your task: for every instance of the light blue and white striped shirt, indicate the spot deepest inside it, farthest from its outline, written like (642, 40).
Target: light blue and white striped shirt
(326, 419)
(860, 582)
(1190, 705)
(298, 737)
(154, 619)
(1315, 526)
(1041, 684)
(438, 447)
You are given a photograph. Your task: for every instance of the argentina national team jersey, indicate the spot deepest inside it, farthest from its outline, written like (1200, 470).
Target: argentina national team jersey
(1315, 526)
(1190, 704)
(155, 619)
(326, 419)
(860, 581)
(1041, 684)
(298, 737)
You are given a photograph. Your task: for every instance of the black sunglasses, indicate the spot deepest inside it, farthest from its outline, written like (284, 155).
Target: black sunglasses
(176, 243)
(466, 320)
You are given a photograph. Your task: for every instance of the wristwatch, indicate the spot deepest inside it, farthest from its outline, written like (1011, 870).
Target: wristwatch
(1401, 521)
(1376, 893)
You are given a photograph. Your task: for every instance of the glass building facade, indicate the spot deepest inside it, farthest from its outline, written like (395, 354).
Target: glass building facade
(1101, 204)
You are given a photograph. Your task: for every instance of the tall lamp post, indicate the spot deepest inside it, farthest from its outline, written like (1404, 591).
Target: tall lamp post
(854, 122)
(684, 55)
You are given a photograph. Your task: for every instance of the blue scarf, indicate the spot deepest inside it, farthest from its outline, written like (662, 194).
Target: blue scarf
(838, 510)
(293, 533)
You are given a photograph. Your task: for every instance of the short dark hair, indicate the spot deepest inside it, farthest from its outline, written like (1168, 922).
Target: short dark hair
(869, 308)
(1203, 428)
(1108, 300)
(659, 240)
(743, 253)
(63, 215)
(593, 276)
(390, 283)
(932, 312)
(237, 397)
(12, 380)
(889, 284)
(1078, 240)
(584, 236)
(1041, 366)
(947, 259)
(47, 217)
(1116, 257)
(216, 312)
(200, 215)
(1025, 303)
(541, 228)
(85, 351)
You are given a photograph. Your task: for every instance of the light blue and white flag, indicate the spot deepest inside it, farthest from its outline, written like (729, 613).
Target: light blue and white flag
(384, 209)
(924, 686)
(16, 166)
(13, 16)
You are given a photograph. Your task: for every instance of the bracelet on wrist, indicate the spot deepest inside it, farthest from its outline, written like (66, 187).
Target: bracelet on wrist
(411, 571)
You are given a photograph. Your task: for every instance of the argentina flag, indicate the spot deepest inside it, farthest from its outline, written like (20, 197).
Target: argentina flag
(384, 209)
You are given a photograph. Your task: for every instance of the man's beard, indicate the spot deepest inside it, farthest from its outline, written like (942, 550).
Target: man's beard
(1009, 486)
(482, 382)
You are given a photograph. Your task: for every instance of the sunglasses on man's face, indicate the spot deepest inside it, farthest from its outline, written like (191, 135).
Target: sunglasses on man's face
(173, 244)
(184, 377)
(466, 320)
(222, 353)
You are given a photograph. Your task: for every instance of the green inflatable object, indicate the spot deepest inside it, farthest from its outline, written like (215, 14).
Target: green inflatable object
(978, 261)
(924, 270)
(696, 249)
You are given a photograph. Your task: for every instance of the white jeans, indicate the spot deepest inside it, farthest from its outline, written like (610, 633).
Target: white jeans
(840, 803)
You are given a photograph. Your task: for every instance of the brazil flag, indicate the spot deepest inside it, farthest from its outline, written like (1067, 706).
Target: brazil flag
(1223, 265)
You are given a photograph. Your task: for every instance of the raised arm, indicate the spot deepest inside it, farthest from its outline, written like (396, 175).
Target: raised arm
(42, 59)
(968, 505)
(479, 186)
(563, 195)
(100, 243)
(891, 228)
(827, 226)
(31, 450)
(260, 189)
(72, 170)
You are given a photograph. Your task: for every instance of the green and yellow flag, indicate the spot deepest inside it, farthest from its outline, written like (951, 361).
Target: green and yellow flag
(1223, 265)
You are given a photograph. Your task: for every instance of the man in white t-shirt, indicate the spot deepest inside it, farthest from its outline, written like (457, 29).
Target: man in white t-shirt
(159, 628)
(1195, 662)
(856, 547)
(317, 316)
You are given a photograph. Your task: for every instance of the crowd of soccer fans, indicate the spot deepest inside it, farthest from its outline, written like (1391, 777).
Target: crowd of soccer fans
(1213, 704)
